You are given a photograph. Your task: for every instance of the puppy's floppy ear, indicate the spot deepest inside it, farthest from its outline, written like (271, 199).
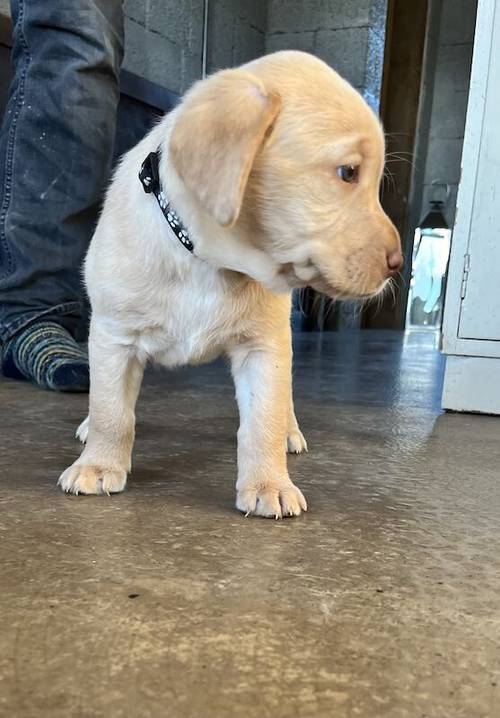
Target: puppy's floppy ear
(220, 127)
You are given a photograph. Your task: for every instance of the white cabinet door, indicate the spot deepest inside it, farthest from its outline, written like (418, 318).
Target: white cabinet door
(471, 327)
(480, 310)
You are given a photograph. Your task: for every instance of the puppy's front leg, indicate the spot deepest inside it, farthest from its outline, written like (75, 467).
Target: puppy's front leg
(262, 379)
(115, 380)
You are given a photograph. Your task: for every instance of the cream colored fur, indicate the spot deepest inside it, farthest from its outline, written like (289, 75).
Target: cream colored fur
(249, 162)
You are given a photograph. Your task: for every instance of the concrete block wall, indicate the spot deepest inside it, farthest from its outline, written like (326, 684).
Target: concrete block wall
(164, 38)
(236, 32)
(449, 101)
(347, 34)
(163, 41)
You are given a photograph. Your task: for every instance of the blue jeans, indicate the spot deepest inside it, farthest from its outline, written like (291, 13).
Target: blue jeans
(56, 145)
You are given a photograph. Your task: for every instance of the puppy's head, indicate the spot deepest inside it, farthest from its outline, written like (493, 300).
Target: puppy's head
(289, 157)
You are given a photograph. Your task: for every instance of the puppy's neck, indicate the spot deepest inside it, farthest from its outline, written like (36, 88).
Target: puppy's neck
(227, 249)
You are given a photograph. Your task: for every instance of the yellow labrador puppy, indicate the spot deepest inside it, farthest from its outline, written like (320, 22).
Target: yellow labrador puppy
(263, 179)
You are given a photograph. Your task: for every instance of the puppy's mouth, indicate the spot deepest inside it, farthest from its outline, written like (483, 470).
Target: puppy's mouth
(309, 275)
(302, 275)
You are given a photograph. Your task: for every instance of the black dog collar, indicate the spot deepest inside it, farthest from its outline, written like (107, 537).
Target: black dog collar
(150, 180)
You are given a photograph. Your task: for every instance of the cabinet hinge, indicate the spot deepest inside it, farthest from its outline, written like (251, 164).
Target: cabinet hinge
(465, 276)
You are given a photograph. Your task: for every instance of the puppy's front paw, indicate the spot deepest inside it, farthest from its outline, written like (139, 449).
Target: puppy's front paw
(87, 479)
(270, 500)
(295, 442)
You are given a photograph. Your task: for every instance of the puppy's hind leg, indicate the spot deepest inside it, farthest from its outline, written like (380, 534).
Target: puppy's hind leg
(295, 441)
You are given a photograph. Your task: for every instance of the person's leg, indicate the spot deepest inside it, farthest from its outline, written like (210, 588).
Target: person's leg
(56, 146)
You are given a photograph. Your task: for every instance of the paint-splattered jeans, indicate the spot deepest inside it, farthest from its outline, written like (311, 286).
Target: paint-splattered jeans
(56, 146)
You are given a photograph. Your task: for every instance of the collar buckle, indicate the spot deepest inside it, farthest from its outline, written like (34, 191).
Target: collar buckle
(150, 173)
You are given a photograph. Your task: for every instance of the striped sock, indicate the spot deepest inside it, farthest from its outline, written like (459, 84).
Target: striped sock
(46, 354)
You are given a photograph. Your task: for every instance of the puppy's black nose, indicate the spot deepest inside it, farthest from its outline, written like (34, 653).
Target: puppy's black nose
(395, 261)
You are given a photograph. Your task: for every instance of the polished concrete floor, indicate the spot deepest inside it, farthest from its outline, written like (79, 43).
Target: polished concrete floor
(382, 601)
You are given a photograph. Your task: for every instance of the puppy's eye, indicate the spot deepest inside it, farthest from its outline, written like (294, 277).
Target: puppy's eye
(348, 173)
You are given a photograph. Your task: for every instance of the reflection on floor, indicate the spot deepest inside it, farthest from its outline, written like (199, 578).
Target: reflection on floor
(163, 601)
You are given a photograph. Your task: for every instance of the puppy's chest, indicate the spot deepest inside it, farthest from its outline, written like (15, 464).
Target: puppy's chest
(192, 326)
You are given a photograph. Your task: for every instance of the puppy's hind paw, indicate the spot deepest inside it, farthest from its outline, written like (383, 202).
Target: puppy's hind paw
(295, 442)
(86, 479)
(83, 430)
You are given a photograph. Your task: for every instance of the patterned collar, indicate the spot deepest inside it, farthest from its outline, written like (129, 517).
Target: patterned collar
(150, 180)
